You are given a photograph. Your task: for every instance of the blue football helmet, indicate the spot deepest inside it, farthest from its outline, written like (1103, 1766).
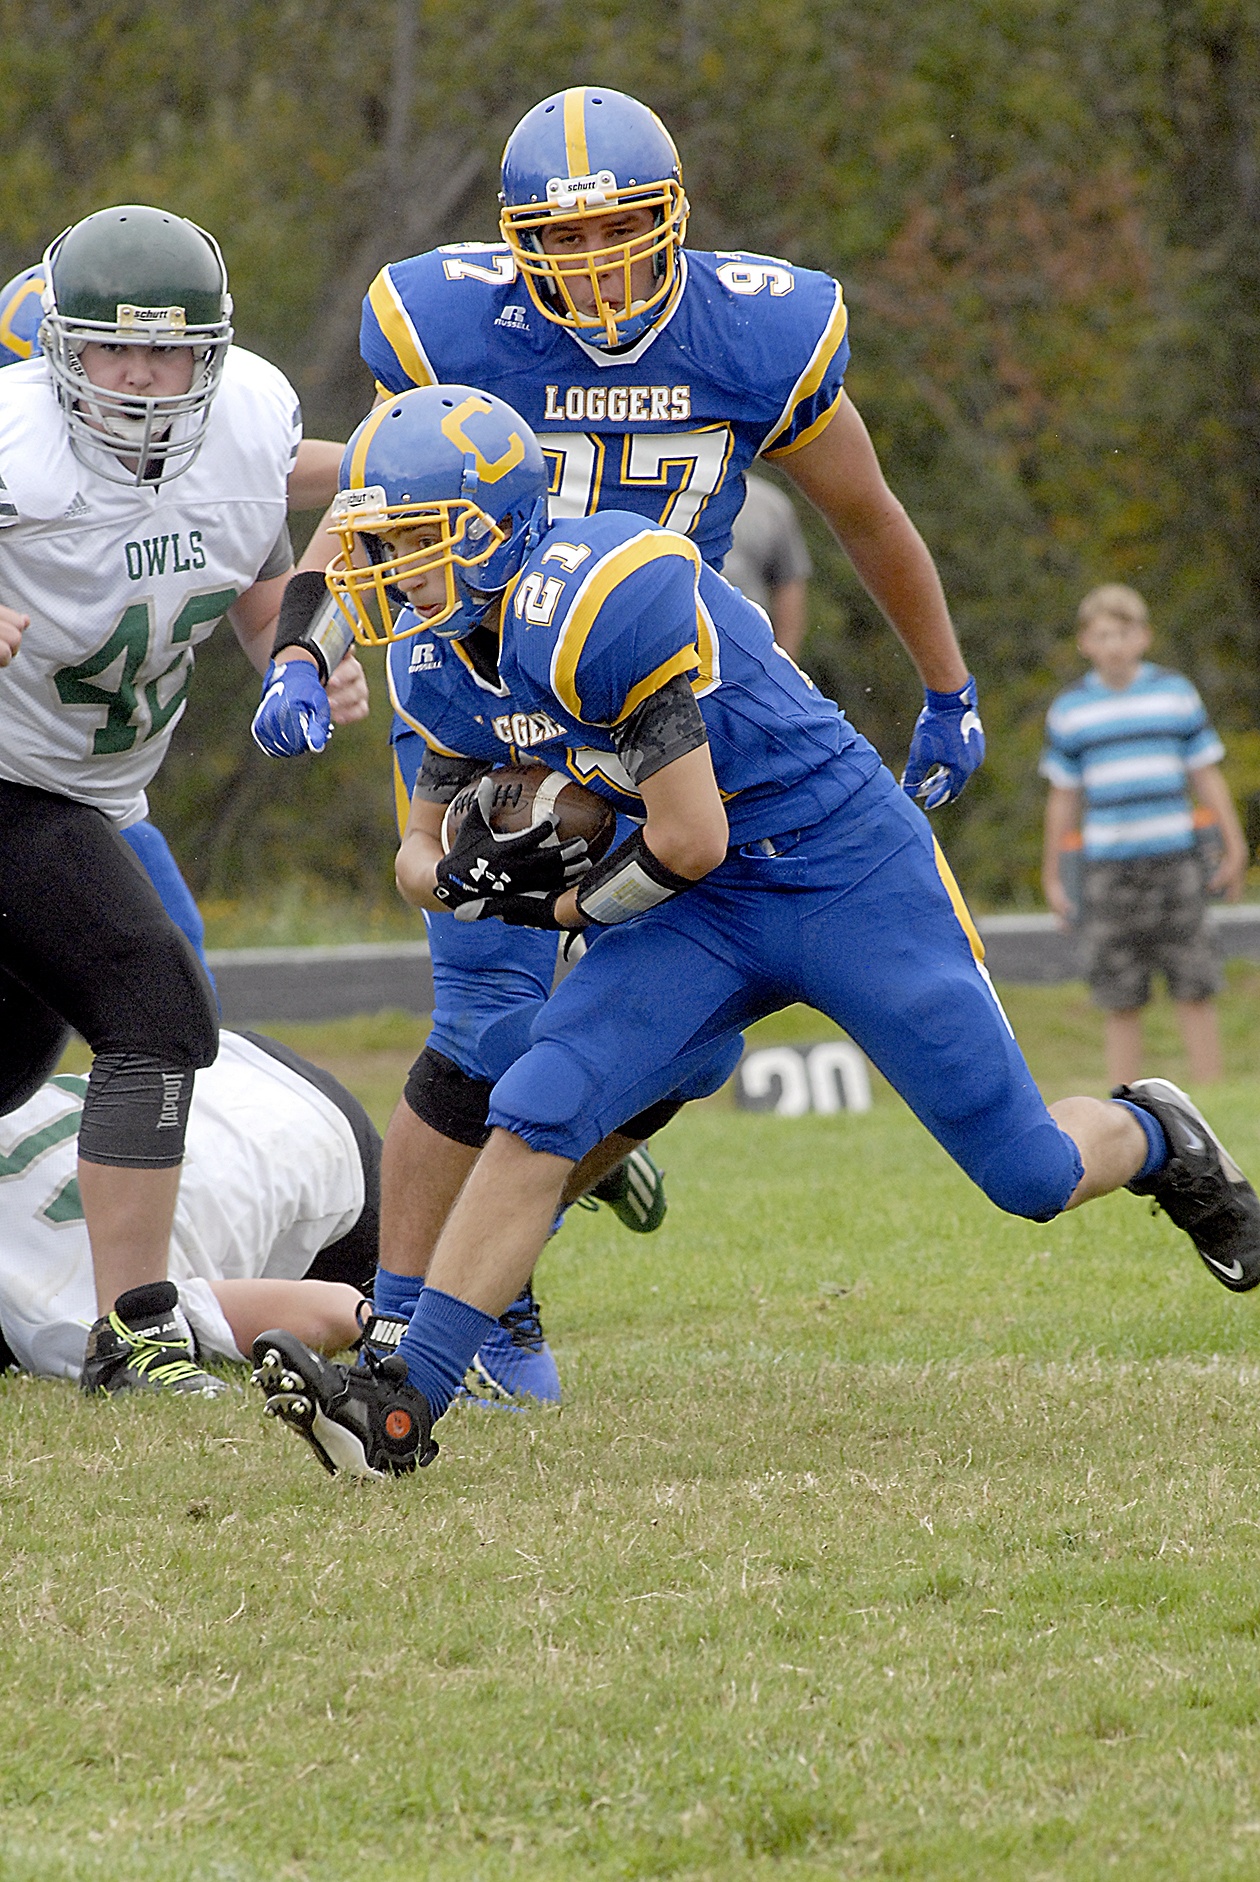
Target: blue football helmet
(20, 314)
(592, 155)
(439, 478)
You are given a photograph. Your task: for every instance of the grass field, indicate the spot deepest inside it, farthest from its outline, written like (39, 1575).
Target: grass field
(879, 1535)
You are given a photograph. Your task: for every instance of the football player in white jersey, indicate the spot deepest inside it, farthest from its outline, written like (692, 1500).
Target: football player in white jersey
(276, 1222)
(144, 465)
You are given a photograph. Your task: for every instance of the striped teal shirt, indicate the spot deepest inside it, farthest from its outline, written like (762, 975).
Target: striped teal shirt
(1128, 751)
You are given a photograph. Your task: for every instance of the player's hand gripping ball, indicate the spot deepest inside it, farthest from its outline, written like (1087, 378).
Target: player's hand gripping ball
(516, 840)
(946, 746)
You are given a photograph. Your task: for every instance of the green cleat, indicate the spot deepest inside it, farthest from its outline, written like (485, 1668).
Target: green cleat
(635, 1192)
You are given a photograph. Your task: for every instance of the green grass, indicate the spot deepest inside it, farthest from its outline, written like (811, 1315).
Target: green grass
(879, 1535)
(304, 912)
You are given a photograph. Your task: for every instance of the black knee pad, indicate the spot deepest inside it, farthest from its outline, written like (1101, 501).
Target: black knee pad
(448, 1100)
(655, 1118)
(135, 1114)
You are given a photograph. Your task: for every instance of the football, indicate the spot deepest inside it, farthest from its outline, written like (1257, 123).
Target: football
(525, 794)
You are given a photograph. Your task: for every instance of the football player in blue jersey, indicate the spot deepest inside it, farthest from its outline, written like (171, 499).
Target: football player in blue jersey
(775, 861)
(454, 721)
(653, 376)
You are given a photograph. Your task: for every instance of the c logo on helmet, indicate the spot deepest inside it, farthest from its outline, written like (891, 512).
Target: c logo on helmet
(453, 428)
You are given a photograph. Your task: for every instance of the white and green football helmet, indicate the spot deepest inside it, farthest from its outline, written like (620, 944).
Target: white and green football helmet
(135, 276)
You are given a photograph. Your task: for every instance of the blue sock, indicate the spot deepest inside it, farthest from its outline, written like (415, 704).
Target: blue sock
(1156, 1142)
(440, 1343)
(397, 1293)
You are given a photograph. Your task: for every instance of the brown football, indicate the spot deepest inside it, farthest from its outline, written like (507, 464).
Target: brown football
(525, 794)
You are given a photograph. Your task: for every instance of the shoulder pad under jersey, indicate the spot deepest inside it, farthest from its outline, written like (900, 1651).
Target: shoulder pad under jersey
(38, 472)
(605, 612)
(420, 315)
(779, 330)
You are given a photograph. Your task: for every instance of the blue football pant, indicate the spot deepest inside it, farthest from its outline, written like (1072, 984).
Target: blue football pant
(153, 852)
(853, 917)
(489, 980)
(489, 984)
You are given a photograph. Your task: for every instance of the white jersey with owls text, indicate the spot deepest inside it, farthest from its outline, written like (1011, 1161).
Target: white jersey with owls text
(271, 1175)
(121, 583)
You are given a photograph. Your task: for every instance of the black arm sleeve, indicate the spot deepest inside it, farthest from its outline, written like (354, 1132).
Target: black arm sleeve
(310, 618)
(666, 726)
(442, 777)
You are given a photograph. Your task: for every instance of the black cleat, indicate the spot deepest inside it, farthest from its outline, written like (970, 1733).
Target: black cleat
(1200, 1187)
(144, 1344)
(380, 1334)
(363, 1421)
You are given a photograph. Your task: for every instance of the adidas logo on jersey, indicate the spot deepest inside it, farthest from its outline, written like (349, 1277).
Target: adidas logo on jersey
(524, 729)
(77, 508)
(513, 316)
(426, 657)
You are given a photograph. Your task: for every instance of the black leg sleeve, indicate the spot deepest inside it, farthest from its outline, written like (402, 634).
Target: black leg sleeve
(32, 1040)
(83, 931)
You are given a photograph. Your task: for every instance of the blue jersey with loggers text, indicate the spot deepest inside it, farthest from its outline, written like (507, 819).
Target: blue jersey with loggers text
(749, 360)
(603, 614)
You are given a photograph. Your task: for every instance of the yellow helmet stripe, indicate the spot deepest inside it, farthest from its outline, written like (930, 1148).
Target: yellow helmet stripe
(395, 324)
(371, 425)
(666, 135)
(575, 151)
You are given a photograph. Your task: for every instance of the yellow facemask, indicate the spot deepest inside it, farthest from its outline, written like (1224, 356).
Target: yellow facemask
(461, 536)
(608, 272)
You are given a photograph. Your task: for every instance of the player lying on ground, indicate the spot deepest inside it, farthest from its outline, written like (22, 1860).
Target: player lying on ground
(777, 862)
(654, 375)
(145, 464)
(276, 1222)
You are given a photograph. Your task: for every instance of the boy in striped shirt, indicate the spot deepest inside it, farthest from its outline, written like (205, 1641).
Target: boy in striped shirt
(1129, 746)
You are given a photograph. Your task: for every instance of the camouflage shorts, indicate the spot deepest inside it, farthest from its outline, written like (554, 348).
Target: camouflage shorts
(1142, 916)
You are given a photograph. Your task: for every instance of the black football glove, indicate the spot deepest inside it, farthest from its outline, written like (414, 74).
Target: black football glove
(518, 911)
(483, 867)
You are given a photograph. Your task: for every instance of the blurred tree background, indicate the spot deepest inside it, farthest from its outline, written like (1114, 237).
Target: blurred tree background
(1046, 214)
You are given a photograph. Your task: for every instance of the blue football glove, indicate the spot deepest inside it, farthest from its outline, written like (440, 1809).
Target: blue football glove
(292, 716)
(946, 746)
